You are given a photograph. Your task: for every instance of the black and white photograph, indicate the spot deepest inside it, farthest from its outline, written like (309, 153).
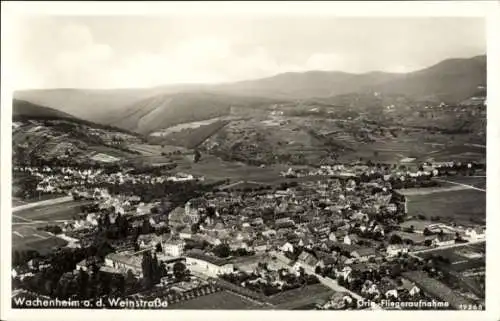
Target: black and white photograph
(250, 161)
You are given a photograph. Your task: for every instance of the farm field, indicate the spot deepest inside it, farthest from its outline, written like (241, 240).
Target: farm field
(27, 237)
(183, 126)
(153, 159)
(297, 298)
(214, 168)
(17, 202)
(106, 158)
(479, 182)
(218, 301)
(468, 271)
(41, 246)
(459, 152)
(61, 211)
(190, 137)
(109, 151)
(436, 288)
(146, 149)
(463, 206)
(395, 151)
(454, 254)
(432, 190)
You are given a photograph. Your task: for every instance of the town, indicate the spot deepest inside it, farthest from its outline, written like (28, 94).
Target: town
(342, 233)
(249, 162)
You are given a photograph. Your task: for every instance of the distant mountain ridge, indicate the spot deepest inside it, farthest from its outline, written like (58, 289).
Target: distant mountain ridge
(451, 80)
(149, 109)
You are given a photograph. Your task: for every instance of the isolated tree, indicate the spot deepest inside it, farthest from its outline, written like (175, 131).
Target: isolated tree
(147, 269)
(83, 278)
(395, 239)
(146, 227)
(197, 156)
(16, 258)
(222, 250)
(195, 228)
(427, 232)
(179, 270)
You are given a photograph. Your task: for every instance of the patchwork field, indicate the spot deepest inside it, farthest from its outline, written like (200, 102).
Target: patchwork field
(304, 296)
(461, 257)
(101, 157)
(463, 206)
(466, 269)
(214, 168)
(27, 237)
(223, 300)
(110, 151)
(61, 211)
(18, 202)
(146, 149)
(476, 181)
(190, 137)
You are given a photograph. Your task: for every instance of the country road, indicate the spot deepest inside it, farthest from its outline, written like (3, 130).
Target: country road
(42, 203)
(448, 247)
(461, 184)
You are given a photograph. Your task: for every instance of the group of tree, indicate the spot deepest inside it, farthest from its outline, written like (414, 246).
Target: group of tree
(222, 250)
(54, 229)
(152, 269)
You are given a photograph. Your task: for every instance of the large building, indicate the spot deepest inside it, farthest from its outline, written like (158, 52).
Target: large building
(192, 210)
(124, 262)
(199, 262)
(173, 248)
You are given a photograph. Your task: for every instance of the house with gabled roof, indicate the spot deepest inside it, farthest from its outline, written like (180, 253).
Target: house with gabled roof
(444, 240)
(308, 259)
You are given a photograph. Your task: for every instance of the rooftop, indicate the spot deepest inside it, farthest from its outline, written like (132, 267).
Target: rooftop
(128, 259)
(436, 288)
(200, 255)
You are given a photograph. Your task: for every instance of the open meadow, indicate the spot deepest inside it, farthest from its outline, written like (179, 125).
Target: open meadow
(461, 206)
(62, 211)
(218, 301)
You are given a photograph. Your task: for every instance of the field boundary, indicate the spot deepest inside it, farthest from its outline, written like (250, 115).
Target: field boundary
(42, 203)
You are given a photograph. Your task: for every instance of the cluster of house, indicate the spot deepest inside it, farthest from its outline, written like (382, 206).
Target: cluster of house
(113, 137)
(304, 215)
(64, 179)
(417, 232)
(355, 170)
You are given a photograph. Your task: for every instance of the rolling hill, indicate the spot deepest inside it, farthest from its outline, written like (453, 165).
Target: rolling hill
(167, 110)
(148, 109)
(310, 84)
(92, 105)
(26, 109)
(451, 81)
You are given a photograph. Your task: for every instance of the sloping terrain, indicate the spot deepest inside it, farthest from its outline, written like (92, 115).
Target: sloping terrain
(93, 105)
(451, 80)
(149, 109)
(304, 85)
(44, 133)
(21, 108)
(163, 111)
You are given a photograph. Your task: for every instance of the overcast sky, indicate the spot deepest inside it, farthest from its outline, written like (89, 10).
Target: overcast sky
(118, 52)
